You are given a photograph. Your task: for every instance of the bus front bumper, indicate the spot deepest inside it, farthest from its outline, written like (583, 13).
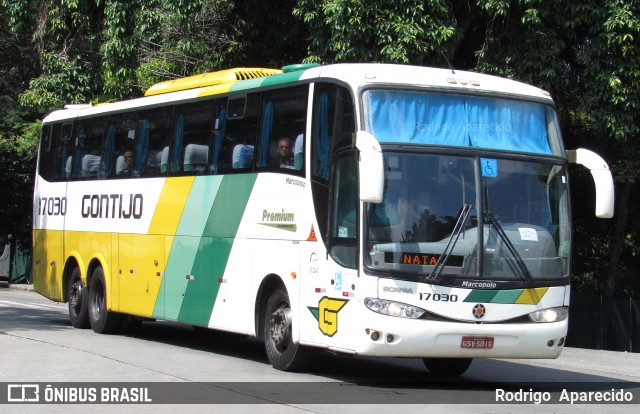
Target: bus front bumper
(397, 337)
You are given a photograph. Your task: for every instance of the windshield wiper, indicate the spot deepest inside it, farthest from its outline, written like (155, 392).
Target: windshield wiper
(453, 239)
(526, 275)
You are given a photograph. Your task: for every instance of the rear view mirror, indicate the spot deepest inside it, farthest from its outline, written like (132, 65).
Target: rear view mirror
(370, 168)
(601, 176)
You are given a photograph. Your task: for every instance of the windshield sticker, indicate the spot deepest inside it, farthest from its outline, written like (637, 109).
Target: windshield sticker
(338, 281)
(489, 167)
(527, 233)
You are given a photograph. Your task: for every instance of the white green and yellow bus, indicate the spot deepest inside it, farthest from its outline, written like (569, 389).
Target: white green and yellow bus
(412, 212)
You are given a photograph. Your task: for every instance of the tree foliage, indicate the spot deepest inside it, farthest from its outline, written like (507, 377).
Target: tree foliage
(399, 31)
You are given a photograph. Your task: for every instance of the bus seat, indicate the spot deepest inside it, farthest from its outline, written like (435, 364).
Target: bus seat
(90, 164)
(120, 165)
(152, 163)
(68, 166)
(242, 156)
(164, 160)
(195, 157)
(298, 152)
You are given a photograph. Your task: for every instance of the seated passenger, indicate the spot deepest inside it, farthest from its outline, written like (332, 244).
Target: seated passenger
(284, 154)
(127, 168)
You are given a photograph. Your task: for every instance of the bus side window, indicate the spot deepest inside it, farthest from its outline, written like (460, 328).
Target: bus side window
(333, 126)
(152, 143)
(47, 152)
(344, 216)
(64, 151)
(118, 148)
(192, 139)
(282, 126)
(88, 148)
(236, 137)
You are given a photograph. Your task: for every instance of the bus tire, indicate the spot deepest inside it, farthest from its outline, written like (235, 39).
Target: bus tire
(77, 299)
(447, 367)
(283, 354)
(102, 321)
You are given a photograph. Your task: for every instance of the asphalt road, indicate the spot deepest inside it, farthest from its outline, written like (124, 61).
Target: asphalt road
(196, 371)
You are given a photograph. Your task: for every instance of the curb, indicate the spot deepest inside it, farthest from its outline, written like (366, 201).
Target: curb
(21, 287)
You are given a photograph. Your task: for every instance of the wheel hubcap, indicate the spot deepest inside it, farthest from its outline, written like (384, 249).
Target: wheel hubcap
(280, 325)
(76, 296)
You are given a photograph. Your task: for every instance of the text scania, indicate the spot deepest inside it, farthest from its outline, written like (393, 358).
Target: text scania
(114, 206)
(397, 289)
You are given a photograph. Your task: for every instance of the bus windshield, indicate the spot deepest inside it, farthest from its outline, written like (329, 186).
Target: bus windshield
(439, 211)
(418, 117)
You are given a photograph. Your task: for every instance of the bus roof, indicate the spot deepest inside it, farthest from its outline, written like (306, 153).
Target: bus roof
(357, 75)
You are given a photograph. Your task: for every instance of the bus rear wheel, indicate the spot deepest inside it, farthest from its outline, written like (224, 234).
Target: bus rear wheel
(102, 321)
(283, 354)
(78, 301)
(447, 367)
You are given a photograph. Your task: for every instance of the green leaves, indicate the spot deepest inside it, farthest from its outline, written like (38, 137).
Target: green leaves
(402, 31)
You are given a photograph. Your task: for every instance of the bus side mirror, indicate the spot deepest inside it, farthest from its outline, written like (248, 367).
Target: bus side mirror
(601, 176)
(370, 167)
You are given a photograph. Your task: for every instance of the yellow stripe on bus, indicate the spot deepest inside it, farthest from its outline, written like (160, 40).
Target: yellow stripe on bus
(531, 296)
(170, 205)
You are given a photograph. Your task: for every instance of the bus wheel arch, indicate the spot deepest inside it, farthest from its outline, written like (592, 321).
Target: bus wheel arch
(69, 267)
(269, 284)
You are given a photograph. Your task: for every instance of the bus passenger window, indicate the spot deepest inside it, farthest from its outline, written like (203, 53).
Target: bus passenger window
(192, 139)
(47, 152)
(118, 147)
(64, 151)
(152, 144)
(282, 127)
(236, 134)
(88, 150)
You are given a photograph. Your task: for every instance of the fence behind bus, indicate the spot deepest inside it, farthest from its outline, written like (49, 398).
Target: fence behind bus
(604, 322)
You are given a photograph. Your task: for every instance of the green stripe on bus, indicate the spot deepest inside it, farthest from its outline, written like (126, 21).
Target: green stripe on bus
(185, 245)
(214, 248)
(481, 296)
(507, 296)
(282, 78)
(246, 84)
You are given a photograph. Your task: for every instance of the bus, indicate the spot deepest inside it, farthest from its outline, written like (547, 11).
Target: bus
(362, 209)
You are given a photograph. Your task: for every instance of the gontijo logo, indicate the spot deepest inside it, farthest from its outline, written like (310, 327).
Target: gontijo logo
(327, 314)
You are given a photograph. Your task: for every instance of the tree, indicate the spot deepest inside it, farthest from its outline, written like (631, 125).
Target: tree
(612, 80)
(399, 31)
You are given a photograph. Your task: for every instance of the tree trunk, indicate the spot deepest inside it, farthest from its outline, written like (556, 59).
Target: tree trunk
(622, 214)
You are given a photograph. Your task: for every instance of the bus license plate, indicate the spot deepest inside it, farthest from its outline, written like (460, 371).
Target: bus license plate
(484, 342)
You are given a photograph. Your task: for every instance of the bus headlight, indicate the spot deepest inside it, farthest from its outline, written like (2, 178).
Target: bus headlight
(398, 309)
(549, 315)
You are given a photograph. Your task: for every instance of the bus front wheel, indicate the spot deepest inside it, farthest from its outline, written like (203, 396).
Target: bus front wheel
(283, 354)
(101, 320)
(77, 299)
(447, 367)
